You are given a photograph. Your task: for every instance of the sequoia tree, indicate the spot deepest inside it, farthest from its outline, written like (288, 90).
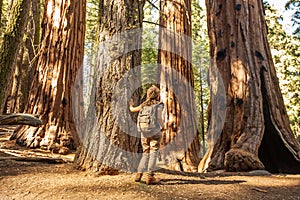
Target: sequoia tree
(109, 138)
(177, 82)
(256, 133)
(25, 64)
(10, 46)
(60, 57)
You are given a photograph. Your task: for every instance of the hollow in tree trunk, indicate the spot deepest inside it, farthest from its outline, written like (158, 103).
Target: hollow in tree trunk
(256, 132)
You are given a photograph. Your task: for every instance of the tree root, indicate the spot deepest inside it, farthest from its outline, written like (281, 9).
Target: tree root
(237, 160)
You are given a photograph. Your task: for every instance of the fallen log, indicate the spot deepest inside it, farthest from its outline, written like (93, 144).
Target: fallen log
(20, 119)
(35, 159)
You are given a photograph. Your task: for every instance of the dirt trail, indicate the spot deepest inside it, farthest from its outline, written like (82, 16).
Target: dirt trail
(41, 180)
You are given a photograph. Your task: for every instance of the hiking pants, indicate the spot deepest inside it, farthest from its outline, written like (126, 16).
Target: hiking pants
(150, 152)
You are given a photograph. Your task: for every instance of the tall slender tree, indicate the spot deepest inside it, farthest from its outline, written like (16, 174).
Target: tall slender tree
(200, 67)
(286, 58)
(60, 57)
(108, 142)
(256, 133)
(177, 82)
(10, 46)
(1, 3)
(294, 5)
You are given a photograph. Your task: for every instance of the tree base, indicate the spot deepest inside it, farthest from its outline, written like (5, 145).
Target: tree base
(237, 160)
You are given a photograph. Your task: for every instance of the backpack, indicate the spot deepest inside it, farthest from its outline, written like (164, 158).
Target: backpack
(147, 120)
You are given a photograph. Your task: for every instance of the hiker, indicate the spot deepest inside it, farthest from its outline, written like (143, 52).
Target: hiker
(150, 134)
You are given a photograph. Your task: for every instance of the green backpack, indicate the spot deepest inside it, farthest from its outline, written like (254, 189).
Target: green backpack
(147, 120)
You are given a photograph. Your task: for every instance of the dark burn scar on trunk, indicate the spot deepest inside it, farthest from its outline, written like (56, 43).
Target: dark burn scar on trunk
(64, 102)
(221, 54)
(220, 33)
(238, 7)
(259, 55)
(219, 11)
(239, 101)
(232, 44)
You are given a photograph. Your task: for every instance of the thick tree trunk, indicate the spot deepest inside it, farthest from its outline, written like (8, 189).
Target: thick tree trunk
(108, 141)
(23, 74)
(10, 46)
(177, 82)
(256, 133)
(61, 55)
(15, 100)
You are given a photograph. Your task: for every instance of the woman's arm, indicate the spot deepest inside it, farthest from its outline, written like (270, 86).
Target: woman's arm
(134, 109)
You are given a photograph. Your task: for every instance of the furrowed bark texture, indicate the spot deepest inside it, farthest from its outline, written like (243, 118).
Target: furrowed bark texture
(1, 3)
(109, 145)
(10, 46)
(175, 52)
(61, 55)
(256, 132)
(25, 64)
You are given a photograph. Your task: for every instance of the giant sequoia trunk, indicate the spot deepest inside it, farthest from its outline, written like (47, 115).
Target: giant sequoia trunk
(109, 140)
(256, 132)
(61, 55)
(175, 57)
(10, 46)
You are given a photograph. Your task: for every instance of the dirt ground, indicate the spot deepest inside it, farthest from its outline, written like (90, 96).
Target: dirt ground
(38, 179)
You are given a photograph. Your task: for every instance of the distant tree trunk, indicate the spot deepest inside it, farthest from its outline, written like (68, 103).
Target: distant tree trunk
(256, 133)
(23, 74)
(1, 3)
(61, 55)
(108, 146)
(15, 100)
(202, 112)
(36, 15)
(175, 55)
(10, 46)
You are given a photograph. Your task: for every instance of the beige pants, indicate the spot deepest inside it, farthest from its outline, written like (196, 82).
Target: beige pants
(150, 152)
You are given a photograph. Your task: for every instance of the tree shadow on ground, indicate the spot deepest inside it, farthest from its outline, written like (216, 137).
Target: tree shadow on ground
(173, 172)
(202, 181)
(201, 176)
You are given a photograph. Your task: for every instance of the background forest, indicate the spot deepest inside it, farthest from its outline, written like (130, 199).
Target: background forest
(284, 46)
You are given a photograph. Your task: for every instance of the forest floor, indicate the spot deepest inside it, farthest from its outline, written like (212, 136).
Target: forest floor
(37, 179)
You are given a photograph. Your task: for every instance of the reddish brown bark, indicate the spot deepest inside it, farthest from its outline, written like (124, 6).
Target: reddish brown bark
(177, 84)
(256, 132)
(108, 141)
(61, 55)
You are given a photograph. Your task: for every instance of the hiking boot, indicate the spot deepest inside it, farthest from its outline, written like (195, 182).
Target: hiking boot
(138, 177)
(152, 181)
